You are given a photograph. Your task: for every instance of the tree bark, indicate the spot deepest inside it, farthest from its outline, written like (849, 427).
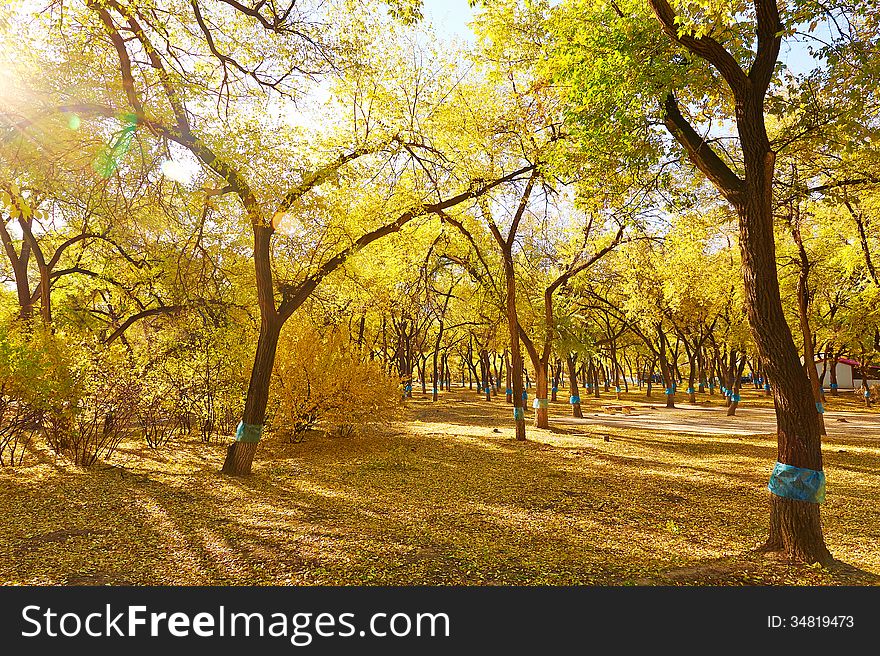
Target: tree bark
(19, 263)
(484, 369)
(803, 302)
(665, 369)
(737, 384)
(240, 455)
(542, 412)
(516, 363)
(573, 389)
(508, 392)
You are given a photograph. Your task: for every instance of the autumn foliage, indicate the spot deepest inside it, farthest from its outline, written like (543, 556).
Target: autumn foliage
(322, 381)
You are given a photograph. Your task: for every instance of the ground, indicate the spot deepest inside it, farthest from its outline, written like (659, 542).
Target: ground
(445, 495)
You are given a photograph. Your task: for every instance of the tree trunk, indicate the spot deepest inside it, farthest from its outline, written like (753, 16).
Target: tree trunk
(803, 298)
(615, 368)
(484, 368)
(668, 383)
(665, 369)
(795, 526)
(542, 412)
(240, 455)
(362, 324)
(23, 289)
(44, 287)
(408, 360)
(796, 530)
(730, 378)
(421, 367)
(435, 381)
(737, 384)
(516, 361)
(19, 263)
(508, 390)
(692, 371)
(833, 376)
(573, 390)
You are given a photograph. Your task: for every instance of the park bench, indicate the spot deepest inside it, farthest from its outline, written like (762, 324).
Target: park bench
(611, 409)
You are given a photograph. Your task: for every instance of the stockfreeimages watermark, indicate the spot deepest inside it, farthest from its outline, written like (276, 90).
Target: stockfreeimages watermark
(300, 628)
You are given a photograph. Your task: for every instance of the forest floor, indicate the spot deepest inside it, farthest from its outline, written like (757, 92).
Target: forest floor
(445, 495)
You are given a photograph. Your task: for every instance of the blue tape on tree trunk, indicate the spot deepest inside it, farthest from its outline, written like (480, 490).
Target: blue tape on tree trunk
(668, 390)
(248, 432)
(691, 390)
(518, 413)
(820, 408)
(617, 388)
(833, 385)
(540, 403)
(555, 389)
(508, 391)
(734, 398)
(767, 386)
(525, 396)
(574, 400)
(797, 483)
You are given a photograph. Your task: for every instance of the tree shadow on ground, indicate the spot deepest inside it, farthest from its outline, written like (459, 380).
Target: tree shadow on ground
(400, 506)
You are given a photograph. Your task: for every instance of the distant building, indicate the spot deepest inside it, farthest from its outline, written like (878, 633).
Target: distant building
(849, 372)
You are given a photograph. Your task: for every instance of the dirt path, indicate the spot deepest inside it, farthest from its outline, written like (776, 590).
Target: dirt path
(701, 420)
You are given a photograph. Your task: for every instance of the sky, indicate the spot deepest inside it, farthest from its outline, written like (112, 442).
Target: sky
(450, 17)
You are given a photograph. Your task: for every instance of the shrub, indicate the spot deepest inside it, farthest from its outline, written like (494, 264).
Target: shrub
(203, 378)
(100, 417)
(35, 383)
(158, 414)
(319, 381)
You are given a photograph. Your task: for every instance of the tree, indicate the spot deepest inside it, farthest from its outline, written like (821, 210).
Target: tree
(741, 47)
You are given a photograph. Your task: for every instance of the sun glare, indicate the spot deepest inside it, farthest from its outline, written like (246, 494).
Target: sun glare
(176, 171)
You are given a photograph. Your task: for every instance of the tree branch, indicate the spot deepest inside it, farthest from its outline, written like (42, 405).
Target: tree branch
(700, 152)
(704, 47)
(165, 309)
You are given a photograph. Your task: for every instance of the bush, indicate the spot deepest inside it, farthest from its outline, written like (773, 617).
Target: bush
(94, 424)
(35, 384)
(158, 414)
(204, 380)
(320, 382)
